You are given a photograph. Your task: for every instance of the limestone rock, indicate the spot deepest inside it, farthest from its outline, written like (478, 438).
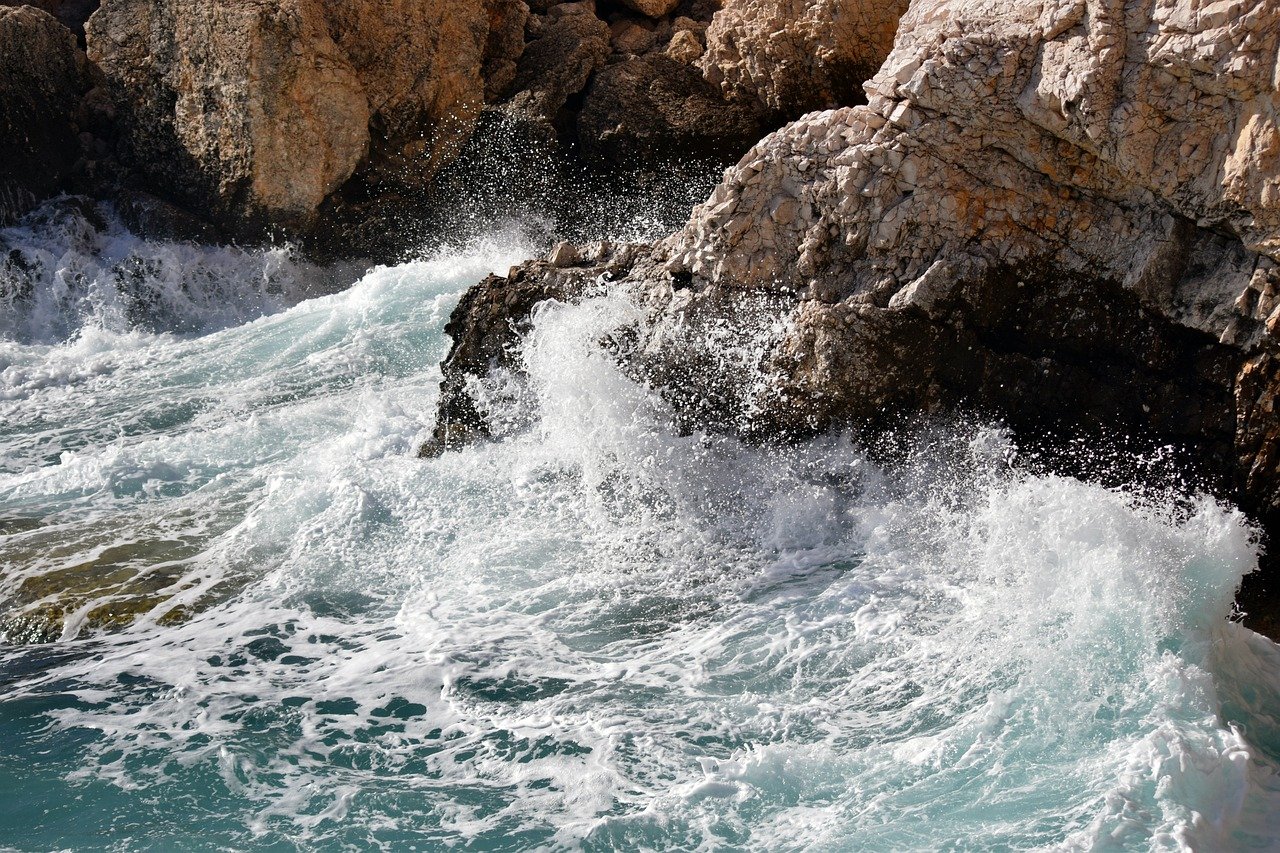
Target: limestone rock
(684, 47)
(330, 122)
(253, 112)
(793, 57)
(565, 254)
(557, 64)
(653, 105)
(652, 8)
(42, 80)
(1064, 215)
(419, 66)
(1119, 158)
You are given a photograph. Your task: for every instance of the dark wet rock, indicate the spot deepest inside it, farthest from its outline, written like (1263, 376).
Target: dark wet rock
(563, 53)
(488, 324)
(43, 77)
(645, 107)
(155, 218)
(504, 47)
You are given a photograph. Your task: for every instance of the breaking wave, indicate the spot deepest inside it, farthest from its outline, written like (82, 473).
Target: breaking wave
(273, 626)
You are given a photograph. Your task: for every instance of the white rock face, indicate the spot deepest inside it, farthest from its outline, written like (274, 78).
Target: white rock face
(1020, 131)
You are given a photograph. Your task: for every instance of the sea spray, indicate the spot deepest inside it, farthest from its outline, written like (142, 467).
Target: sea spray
(72, 268)
(600, 632)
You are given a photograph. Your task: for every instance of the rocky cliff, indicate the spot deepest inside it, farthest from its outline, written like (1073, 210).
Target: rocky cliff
(1082, 197)
(331, 122)
(1062, 214)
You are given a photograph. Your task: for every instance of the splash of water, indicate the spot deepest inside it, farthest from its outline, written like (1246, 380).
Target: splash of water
(596, 634)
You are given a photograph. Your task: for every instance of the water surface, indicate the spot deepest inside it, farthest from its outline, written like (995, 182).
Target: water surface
(266, 625)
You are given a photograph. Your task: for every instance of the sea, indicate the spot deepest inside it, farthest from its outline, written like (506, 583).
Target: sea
(237, 612)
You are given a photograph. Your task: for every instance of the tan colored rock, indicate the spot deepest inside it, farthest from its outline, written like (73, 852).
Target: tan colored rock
(627, 35)
(793, 56)
(684, 47)
(420, 67)
(991, 123)
(652, 8)
(253, 112)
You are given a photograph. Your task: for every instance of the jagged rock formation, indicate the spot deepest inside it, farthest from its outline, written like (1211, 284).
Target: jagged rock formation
(330, 122)
(568, 45)
(1063, 214)
(652, 8)
(483, 333)
(72, 14)
(613, 87)
(1091, 156)
(654, 104)
(793, 57)
(42, 81)
(253, 113)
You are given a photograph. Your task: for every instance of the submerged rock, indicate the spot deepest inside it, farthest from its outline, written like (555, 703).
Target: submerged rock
(123, 583)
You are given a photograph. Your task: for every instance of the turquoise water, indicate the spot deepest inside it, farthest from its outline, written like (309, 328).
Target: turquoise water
(595, 634)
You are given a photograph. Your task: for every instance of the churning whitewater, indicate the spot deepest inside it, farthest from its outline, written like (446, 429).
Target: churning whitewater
(240, 613)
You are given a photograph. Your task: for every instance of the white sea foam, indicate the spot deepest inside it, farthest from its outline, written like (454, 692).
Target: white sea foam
(598, 633)
(65, 274)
